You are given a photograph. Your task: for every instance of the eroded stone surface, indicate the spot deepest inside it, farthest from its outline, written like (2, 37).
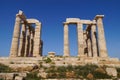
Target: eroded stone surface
(111, 71)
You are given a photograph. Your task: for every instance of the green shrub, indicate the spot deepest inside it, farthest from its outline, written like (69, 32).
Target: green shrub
(84, 70)
(99, 75)
(56, 72)
(61, 69)
(70, 68)
(48, 60)
(72, 72)
(40, 64)
(118, 70)
(4, 68)
(32, 76)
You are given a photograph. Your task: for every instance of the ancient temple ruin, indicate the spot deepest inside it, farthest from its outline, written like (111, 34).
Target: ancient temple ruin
(26, 39)
(91, 41)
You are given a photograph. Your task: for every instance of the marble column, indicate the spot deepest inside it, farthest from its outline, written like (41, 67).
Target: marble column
(89, 43)
(85, 44)
(101, 36)
(27, 42)
(15, 39)
(66, 40)
(80, 39)
(37, 38)
(31, 43)
(94, 39)
(41, 47)
(21, 42)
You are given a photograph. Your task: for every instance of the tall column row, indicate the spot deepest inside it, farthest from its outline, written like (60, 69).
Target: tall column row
(91, 42)
(26, 41)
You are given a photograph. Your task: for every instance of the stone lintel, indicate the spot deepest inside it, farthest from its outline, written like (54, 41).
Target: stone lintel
(98, 16)
(93, 22)
(32, 21)
(72, 20)
(77, 20)
(86, 21)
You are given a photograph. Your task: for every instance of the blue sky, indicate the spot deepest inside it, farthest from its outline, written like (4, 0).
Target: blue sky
(52, 14)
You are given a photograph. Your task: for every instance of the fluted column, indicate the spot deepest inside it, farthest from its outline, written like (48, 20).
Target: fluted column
(101, 37)
(94, 43)
(21, 42)
(66, 40)
(37, 38)
(15, 39)
(80, 39)
(89, 43)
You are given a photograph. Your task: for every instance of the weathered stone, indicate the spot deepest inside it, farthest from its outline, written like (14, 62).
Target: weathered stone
(22, 41)
(100, 70)
(94, 39)
(70, 74)
(51, 54)
(15, 39)
(66, 40)
(89, 43)
(7, 76)
(43, 75)
(80, 39)
(72, 20)
(19, 78)
(111, 71)
(101, 36)
(90, 76)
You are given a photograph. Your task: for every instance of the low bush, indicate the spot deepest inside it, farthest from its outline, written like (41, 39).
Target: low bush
(118, 70)
(32, 76)
(48, 60)
(4, 68)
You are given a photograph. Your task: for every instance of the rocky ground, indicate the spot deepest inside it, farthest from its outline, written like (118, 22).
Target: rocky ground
(58, 68)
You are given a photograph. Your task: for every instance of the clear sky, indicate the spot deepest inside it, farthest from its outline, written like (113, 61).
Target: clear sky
(52, 14)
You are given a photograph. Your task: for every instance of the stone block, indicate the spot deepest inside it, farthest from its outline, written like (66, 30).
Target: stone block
(51, 54)
(72, 20)
(43, 75)
(111, 72)
(7, 76)
(18, 78)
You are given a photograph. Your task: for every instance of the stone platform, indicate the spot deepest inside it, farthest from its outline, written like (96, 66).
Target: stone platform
(58, 61)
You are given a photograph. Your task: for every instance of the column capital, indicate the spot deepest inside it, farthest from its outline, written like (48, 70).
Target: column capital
(79, 22)
(18, 18)
(38, 23)
(93, 22)
(98, 16)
